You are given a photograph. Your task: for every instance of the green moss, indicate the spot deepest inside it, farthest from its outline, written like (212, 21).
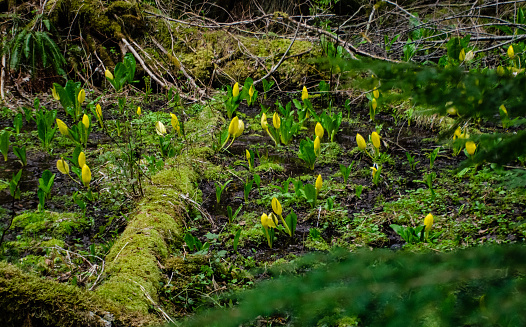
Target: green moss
(330, 153)
(269, 166)
(52, 223)
(26, 300)
(52, 243)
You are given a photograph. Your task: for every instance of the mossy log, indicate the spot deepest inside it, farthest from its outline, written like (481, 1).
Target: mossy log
(127, 294)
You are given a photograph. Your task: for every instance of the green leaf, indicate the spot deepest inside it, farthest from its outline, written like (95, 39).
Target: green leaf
(306, 152)
(236, 239)
(291, 221)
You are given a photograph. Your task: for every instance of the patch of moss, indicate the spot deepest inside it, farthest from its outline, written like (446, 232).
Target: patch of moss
(52, 223)
(269, 166)
(26, 300)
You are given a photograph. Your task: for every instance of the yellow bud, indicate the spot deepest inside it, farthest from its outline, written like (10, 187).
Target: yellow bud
(235, 90)
(139, 111)
(471, 147)
(251, 91)
(82, 96)
(360, 141)
(160, 129)
(457, 133)
(272, 220)
(319, 183)
(373, 171)
(374, 104)
(85, 121)
(269, 221)
(503, 109)
(240, 128)
(108, 75)
(428, 222)
(462, 55)
(98, 110)
(276, 206)
(470, 55)
(234, 124)
(264, 220)
(500, 71)
(304, 94)
(264, 123)
(54, 93)
(175, 123)
(317, 146)
(376, 139)
(62, 127)
(376, 93)
(86, 175)
(318, 130)
(276, 121)
(247, 153)
(452, 111)
(63, 166)
(82, 159)
(511, 53)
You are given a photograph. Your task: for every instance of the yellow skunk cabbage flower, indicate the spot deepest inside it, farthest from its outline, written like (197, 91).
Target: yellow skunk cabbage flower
(240, 128)
(267, 221)
(175, 124)
(251, 91)
(319, 183)
(235, 90)
(247, 153)
(82, 159)
(139, 111)
(54, 93)
(503, 108)
(160, 129)
(376, 139)
(232, 128)
(62, 127)
(428, 222)
(264, 123)
(276, 206)
(85, 121)
(276, 121)
(360, 141)
(462, 55)
(374, 104)
(511, 53)
(470, 55)
(318, 130)
(376, 93)
(304, 94)
(86, 175)
(82, 96)
(373, 171)
(317, 146)
(63, 166)
(108, 74)
(471, 147)
(98, 110)
(500, 71)
(452, 111)
(457, 133)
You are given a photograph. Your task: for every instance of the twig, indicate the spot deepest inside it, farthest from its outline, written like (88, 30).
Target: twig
(273, 69)
(348, 47)
(143, 64)
(2, 78)
(181, 68)
(120, 251)
(165, 315)
(199, 208)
